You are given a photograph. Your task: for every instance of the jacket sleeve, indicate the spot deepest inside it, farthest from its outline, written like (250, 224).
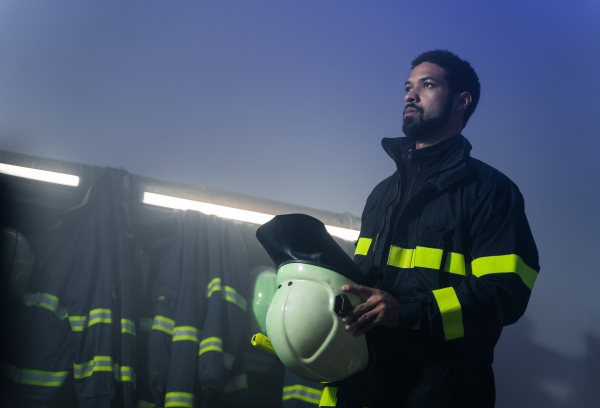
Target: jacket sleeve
(96, 265)
(224, 326)
(501, 271)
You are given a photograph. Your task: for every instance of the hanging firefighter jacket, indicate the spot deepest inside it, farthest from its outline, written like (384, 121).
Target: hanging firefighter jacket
(75, 323)
(35, 347)
(195, 315)
(299, 392)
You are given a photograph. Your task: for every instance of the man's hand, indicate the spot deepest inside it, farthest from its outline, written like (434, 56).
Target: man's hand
(380, 308)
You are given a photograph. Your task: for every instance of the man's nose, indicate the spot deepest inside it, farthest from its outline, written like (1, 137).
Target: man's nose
(411, 96)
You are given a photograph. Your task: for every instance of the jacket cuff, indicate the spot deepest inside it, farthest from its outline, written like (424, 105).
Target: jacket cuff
(410, 314)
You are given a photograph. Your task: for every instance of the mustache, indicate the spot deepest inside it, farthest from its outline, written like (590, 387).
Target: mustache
(412, 105)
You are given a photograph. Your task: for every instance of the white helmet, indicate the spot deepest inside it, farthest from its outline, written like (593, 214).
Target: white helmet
(304, 320)
(305, 327)
(264, 288)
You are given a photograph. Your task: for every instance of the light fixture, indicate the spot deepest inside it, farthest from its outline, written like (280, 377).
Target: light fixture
(40, 175)
(231, 213)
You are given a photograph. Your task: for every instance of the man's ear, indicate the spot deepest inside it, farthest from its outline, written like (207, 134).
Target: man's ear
(462, 101)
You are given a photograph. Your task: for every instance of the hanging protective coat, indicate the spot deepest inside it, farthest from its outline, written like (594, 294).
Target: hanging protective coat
(196, 312)
(77, 318)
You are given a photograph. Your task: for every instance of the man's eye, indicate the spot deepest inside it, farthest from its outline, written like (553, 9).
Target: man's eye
(427, 85)
(407, 89)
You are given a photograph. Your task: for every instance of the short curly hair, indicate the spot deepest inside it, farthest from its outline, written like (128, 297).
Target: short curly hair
(460, 75)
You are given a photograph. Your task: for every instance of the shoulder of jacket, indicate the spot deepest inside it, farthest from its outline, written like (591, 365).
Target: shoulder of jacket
(383, 185)
(485, 172)
(379, 192)
(487, 181)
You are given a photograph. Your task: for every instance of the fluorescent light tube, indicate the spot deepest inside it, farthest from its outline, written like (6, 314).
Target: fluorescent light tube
(40, 175)
(219, 210)
(343, 233)
(231, 213)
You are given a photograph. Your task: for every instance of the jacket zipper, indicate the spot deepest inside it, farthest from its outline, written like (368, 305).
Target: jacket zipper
(390, 208)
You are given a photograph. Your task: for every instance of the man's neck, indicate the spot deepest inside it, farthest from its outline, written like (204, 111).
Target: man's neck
(438, 136)
(432, 139)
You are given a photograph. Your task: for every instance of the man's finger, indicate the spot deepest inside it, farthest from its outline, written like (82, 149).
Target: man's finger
(361, 324)
(358, 311)
(358, 289)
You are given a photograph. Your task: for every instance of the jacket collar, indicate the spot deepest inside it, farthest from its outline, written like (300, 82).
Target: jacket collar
(450, 154)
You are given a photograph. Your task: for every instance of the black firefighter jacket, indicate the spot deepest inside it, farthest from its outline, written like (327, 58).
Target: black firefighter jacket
(447, 235)
(192, 336)
(70, 341)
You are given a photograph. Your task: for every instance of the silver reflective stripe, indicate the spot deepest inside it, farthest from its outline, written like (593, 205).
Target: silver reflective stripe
(96, 316)
(183, 333)
(127, 326)
(99, 363)
(303, 393)
(78, 323)
(231, 295)
(33, 377)
(213, 286)
(46, 301)
(163, 324)
(100, 316)
(124, 373)
(179, 399)
(211, 344)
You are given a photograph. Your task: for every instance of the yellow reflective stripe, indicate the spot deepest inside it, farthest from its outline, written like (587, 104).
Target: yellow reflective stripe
(401, 257)
(99, 363)
(96, 316)
(33, 377)
(211, 344)
(163, 324)
(103, 364)
(179, 399)
(451, 312)
(455, 263)
(239, 382)
(363, 245)
(46, 301)
(213, 286)
(124, 373)
(303, 393)
(78, 323)
(230, 294)
(128, 326)
(182, 333)
(100, 316)
(428, 257)
(425, 257)
(329, 397)
(505, 264)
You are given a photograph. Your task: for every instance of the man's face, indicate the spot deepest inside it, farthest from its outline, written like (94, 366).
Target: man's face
(428, 103)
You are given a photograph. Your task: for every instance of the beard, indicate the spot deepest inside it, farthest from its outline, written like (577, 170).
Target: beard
(417, 129)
